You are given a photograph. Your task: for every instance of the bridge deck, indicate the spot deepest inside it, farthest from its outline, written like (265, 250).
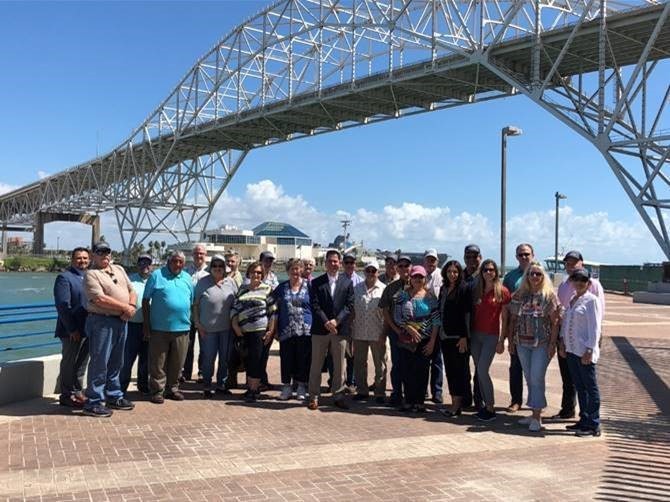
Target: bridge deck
(451, 81)
(226, 450)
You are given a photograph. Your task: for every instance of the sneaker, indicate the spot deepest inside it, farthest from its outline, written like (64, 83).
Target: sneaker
(485, 415)
(208, 394)
(301, 393)
(157, 399)
(97, 411)
(360, 397)
(437, 399)
(574, 427)
(70, 402)
(524, 421)
(563, 415)
(250, 396)
(286, 392)
(224, 391)
(588, 432)
(535, 425)
(120, 404)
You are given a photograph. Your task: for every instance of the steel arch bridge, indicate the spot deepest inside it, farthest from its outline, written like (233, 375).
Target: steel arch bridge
(306, 67)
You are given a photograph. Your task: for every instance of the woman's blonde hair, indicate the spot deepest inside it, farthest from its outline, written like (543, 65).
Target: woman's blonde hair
(497, 283)
(546, 290)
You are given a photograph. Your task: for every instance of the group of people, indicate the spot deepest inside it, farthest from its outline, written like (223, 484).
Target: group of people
(434, 321)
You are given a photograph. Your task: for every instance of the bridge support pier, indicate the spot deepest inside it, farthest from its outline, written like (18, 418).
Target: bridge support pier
(42, 219)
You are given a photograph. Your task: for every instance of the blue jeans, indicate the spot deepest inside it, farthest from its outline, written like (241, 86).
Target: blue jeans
(396, 364)
(588, 394)
(436, 373)
(136, 348)
(534, 362)
(106, 341)
(213, 343)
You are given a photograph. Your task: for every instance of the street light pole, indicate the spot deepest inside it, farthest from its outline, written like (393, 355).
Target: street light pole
(558, 196)
(506, 131)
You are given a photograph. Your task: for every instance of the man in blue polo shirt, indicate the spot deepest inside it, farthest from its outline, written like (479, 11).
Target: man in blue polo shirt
(524, 255)
(166, 308)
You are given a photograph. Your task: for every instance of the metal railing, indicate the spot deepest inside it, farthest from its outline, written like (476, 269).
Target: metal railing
(23, 319)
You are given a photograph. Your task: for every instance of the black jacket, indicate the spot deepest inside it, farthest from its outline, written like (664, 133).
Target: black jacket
(326, 306)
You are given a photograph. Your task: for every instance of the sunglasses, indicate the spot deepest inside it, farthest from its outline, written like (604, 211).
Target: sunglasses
(492, 270)
(218, 266)
(103, 252)
(579, 279)
(523, 255)
(535, 274)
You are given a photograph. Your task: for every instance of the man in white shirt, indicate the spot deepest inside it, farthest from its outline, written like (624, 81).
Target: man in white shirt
(197, 269)
(433, 284)
(573, 260)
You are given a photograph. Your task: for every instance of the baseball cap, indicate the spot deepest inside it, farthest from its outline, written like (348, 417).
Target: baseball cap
(580, 273)
(101, 246)
(267, 255)
(390, 256)
(575, 255)
(404, 257)
(219, 258)
(472, 248)
(430, 253)
(349, 256)
(145, 257)
(417, 270)
(371, 264)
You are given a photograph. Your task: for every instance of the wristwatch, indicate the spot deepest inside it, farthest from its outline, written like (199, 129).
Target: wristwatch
(589, 351)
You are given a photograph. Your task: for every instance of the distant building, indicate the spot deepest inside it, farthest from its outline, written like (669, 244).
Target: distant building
(284, 240)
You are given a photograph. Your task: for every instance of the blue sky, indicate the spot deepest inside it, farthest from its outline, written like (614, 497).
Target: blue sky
(79, 76)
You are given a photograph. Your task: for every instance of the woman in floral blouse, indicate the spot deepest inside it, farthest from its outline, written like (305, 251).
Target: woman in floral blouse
(534, 320)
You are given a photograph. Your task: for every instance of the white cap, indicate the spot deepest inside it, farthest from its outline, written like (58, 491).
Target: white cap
(430, 252)
(372, 263)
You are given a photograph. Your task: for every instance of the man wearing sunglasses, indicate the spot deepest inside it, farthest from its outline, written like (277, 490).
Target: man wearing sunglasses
(388, 305)
(111, 302)
(573, 260)
(524, 255)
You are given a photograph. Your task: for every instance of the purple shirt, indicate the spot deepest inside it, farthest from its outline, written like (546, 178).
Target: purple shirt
(567, 290)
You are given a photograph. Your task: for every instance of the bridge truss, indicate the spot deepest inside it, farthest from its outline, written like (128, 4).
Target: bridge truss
(306, 67)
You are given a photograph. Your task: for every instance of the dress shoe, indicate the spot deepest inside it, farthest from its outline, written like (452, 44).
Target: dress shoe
(360, 397)
(341, 404)
(313, 404)
(175, 396)
(563, 415)
(450, 414)
(574, 427)
(588, 432)
(157, 399)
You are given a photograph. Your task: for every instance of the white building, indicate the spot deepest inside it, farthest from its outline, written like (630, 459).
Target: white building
(284, 240)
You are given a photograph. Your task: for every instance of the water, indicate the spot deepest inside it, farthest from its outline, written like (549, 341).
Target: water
(24, 288)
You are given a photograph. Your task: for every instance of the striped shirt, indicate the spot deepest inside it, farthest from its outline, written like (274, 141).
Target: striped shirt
(253, 308)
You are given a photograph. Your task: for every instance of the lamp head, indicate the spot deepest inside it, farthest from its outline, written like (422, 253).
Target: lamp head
(512, 131)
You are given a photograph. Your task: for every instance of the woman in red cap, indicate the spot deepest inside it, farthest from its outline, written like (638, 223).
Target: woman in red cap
(419, 321)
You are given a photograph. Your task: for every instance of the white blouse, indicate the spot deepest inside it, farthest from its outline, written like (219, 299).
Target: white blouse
(580, 329)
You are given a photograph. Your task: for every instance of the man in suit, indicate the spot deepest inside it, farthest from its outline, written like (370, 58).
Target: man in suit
(69, 299)
(332, 299)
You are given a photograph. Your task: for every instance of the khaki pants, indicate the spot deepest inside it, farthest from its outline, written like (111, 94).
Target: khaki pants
(378, 350)
(167, 352)
(320, 345)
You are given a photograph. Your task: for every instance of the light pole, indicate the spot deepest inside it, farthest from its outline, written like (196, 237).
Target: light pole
(506, 131)
(558, 196)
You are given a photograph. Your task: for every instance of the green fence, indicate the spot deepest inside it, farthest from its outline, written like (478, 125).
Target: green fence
(615, 277)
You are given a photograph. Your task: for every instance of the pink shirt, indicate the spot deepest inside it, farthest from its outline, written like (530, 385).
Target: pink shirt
(566, 291)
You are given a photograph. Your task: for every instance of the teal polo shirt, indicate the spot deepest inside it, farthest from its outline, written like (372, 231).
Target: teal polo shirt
(171, 299)
(512, 279)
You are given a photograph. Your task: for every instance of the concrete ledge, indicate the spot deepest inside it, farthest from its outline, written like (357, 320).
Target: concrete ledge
(651, 297)
(28, 378)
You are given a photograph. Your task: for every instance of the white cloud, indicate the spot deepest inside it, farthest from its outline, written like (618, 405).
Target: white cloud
(4, 188)
(415, 227)
(42, 174)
